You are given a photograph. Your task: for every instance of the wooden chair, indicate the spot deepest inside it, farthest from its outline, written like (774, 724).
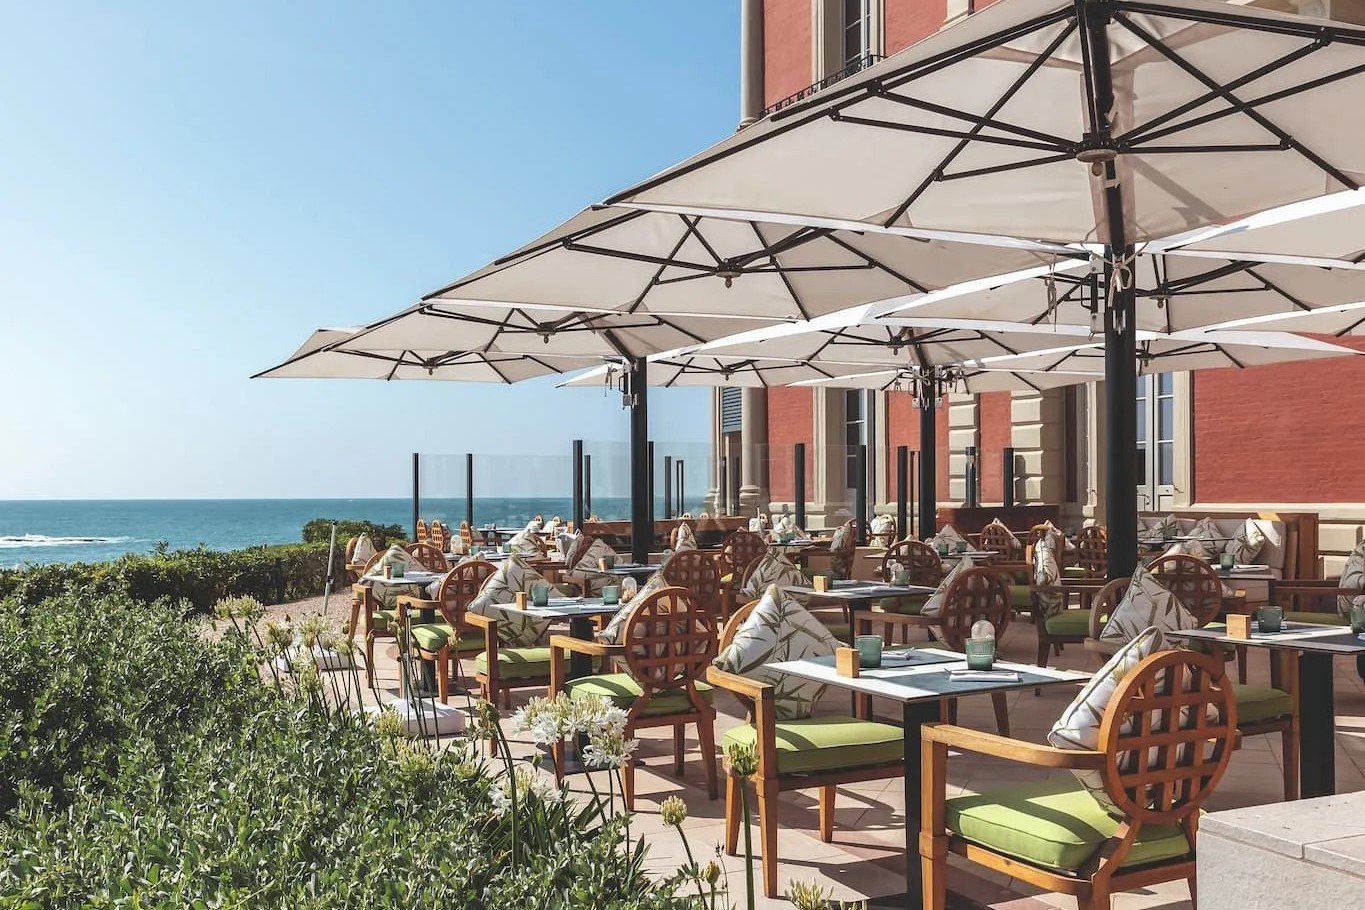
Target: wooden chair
(1092, 551)
(440, 536)
(360, 592)
(738, 550)
(1000, 540)
(696, 571)
(1165, 741)
(1192, 580)
(1261, 710)
(1311, 600)
(667, 645)
(453, 635)
(924, 567)
(801, 762)
(841, 560)
(1071, 625)
(422, 534)
(432, 558)
(976, 594)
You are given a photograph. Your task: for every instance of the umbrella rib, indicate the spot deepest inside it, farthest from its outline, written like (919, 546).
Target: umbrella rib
(692, 228)
(1350, 329)
(664, 261)
(644, 292)
(782, 273)
(924, 130)
(1256, 116)
(1040, 139)
(1272, 286)
(1013, 166)
(877, 263)
(790, 242)
(1276, 26)
(1135, 135)
(994, 109)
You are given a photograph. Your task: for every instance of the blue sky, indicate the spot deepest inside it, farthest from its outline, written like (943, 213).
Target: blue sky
(187, 190)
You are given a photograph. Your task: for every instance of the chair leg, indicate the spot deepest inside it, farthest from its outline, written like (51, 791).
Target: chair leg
(827, 798)
(1241, 663)
(934, 879)
(1193, 882)
(1044, 646)
(706, 737)
(767, 828)
(443, 675)
(1002, 712)
(679, 744)
(1099, 895)
(557, 759)
(1289, 753)
(734, 792)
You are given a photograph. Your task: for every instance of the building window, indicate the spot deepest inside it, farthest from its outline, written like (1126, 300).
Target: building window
(1156, 438)
(857, 32)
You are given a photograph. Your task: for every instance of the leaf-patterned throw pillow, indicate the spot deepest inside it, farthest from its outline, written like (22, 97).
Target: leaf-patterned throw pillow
(774, 569)
(1353, 577)
(1078, 728)
(397, 557)
(1047, 573)
(934, 605)
(364, 549)
(587, 564)
(525, 543)
(1146, 604)
(686, 539)
(611, 635)
(1248, 543)
(1203, 543)
(947, 534)
(779, 629)
(515, 628)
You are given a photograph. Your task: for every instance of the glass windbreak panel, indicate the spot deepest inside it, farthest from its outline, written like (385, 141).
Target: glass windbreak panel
(606, 480)
(685, 480)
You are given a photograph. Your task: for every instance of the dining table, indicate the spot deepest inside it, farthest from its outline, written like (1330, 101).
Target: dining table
(1316, 646)
(413, 583)
(920, 679)
(582, 614)
(852, 594)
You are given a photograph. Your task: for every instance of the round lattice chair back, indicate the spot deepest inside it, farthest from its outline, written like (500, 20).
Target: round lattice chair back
(440, 536)
(741, 548)
(1092, 550)
(1193, 581)
(696, 571)
(669, 641)
(421, 531)
(429, 555)
(1168, 733)
(998, 539)
(918, 558)
(976, 594)
(1104, 602)
(461, 585)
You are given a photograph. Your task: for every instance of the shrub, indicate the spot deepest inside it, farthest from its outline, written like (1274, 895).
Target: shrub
(147, 766)
(319, 530)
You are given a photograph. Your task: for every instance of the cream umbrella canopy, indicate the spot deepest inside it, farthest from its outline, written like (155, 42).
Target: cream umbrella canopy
(1328, 232)
(320, 358)
(1185, 116)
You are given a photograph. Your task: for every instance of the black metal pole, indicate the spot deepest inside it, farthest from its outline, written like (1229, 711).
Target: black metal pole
(668, 486)
(1120, 340)
(416, 492)
(902, 491)
(928, 451)
(679, 487)
(1007, 478)
(469, 489)
(973, 497)
(799, 485)
(641, 463)
(578, 513)
(587, 485)
(910, 499)
(860, 494)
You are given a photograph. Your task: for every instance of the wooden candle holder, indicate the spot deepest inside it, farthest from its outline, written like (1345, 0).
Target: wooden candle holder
(521, 600)
(846, 662)
(820, 583)
(1239, 625)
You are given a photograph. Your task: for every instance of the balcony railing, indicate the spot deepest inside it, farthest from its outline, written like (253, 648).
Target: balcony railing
(856, 66)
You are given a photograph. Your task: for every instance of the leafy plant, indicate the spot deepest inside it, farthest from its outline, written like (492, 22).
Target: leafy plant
(319, 530)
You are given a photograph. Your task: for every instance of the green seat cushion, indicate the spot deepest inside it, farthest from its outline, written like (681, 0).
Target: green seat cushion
(1021, 597)
(1258, 703)
(913, 604)
(517, 663)
(1324, 619)
(382, 619)
(622, 690)
(1075, 572)
(1055, 824)
(815, 744)
(432, 636)
(1074, 623)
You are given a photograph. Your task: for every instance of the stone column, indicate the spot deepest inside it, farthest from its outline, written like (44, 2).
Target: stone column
(753, 490)
(1096, 452)
(1039, 438)
(715, 497)
(963, 431)
(750, 61)
(831, 477)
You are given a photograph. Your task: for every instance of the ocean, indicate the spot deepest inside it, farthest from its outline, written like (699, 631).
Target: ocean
(48, 531)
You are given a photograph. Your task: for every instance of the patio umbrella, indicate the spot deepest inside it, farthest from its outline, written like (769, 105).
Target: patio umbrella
(1187, 115)
(1339, 321)
(320, 358)
(1172, 293)
(679, 369)
(1328, 232)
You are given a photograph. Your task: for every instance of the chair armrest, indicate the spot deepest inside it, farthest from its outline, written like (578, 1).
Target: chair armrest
(408, 602)
(736, 684)
(479, 620)
(561, 643)
(1012, 749)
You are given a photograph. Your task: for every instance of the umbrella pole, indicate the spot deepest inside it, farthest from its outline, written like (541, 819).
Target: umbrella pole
(1120, 339)
(641, 521)
(928, 488)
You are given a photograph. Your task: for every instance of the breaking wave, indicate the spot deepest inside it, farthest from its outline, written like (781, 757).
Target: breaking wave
(14, 542)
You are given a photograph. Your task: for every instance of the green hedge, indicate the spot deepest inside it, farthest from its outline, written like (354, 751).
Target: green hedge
(145, 764)
(201, 577)
(319, 530)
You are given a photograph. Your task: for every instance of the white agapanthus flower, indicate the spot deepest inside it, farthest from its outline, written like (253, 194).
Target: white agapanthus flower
(550, 720)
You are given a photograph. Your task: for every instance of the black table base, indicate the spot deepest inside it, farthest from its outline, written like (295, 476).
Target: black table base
(914, 716)
(1317, 727)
